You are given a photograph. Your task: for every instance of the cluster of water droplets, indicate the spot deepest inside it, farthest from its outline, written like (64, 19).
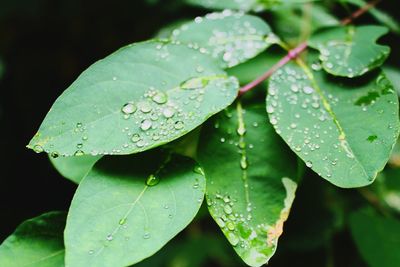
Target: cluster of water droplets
(298, 113)
(337, 57)
(234, 41)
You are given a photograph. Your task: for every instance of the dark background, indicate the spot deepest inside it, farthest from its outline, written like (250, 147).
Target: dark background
(45, 45)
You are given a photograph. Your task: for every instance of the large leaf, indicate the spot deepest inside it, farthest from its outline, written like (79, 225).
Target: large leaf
(36, 242)
(350, 51)
(335, 124)
(127, 208)
(140, 97)
(74, 168)
(377, 238)
(250, 184)
(230, 37)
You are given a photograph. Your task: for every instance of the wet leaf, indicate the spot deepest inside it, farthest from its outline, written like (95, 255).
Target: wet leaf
(377, 238)
(36, 242)
(230, 37)
(250, 187)
(127, 208)
(135, 99)
(74, 168)
(350, 51)
(334, 125)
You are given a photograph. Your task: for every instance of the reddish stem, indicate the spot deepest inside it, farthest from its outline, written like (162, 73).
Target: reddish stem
(294, 53)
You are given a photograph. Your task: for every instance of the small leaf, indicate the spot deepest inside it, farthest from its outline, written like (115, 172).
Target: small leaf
(36, 242)
(394, 76)
(74, 168)
(250, 187)
(230, 37)
(377, 238)
(350, 51)
(140, 97)
(329, 122)
(127, 208)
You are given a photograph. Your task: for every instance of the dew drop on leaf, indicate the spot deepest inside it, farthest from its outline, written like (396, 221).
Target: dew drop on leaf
(152, 180)
(129, 108)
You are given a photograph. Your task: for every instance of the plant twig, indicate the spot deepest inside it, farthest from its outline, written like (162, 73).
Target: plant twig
(295, 52)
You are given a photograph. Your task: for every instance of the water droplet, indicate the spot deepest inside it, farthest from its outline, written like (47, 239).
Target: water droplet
(91, 252)
(198, 169)
(109, 237)
(79, 153)
(146, 235)
(136, 138)
(227, 209)
(145, 107)
(38, 149)
(129, 108)
(152, 180)
(230, 226)
(308, 90)
(160, 98)
(122, 221)
(79, 125)
(243, 163)
(220, 222)
(145, 125)
(168, 112)
(233, 239)
(195, 83)
(309, 164)
(79, 146)
(54, 155)
(179, 125)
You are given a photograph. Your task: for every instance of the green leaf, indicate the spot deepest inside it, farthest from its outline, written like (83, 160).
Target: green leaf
(127, 208)
(230, 37)
(250, 187)
(377, 238)
(74, 168)
(335, 124)
(395, 157)
(36, 242)
(255, 67)
(387, 189)
(350, 51)
(140, 97)
(394, 76)
(289, 24)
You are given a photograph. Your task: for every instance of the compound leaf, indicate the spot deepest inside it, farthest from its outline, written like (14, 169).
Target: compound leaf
(127, 208)
(250, 187)
(140, 97)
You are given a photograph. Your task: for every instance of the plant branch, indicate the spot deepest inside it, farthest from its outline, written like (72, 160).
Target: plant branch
(295, 52)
